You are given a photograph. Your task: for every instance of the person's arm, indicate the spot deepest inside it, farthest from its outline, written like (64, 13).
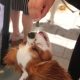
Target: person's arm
(39, 8)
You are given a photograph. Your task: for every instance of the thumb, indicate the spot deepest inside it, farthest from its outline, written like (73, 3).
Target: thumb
(44, 11)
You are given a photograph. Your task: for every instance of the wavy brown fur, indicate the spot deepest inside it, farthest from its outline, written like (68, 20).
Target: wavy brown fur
(10, 59)
(40, 67)
(48, 70)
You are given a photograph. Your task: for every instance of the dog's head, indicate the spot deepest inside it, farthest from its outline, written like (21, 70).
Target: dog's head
(40, 44)
(40, 39)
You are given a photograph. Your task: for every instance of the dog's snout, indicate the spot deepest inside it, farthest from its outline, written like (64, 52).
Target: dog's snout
(31, 35)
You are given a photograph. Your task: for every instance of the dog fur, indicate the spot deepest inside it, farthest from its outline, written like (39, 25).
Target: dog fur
(39, 64)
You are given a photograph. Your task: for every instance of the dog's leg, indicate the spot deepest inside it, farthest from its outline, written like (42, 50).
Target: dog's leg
(24, 75)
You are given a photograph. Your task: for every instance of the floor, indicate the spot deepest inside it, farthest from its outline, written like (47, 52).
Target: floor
(62, 32)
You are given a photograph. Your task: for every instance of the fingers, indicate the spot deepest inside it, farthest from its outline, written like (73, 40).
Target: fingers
(35, 7)
(46, 8)
(39, 8)
(35, 4)
(44, 11)
(35, 14)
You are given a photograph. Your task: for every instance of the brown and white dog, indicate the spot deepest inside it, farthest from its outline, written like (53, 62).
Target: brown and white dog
(34, 59)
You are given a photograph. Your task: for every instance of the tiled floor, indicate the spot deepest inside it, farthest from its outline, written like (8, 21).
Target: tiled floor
(62, 34)
(62, 41)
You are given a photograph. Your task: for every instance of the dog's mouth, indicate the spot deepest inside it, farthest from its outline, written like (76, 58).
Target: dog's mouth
(44, 36)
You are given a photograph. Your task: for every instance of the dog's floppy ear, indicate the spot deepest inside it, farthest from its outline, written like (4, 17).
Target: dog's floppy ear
(43, 55)
(10, 59)
(47, 55)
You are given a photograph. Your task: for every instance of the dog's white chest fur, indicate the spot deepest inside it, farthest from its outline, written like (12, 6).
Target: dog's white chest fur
(23, 56)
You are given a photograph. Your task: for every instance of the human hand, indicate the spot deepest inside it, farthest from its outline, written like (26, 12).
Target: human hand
(35, 7)
(47, 6)
(39, 8)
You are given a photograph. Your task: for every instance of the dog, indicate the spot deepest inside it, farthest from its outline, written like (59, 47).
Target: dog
(34, 59)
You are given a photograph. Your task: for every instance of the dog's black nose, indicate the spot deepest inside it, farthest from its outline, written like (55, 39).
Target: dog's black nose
(31, 35)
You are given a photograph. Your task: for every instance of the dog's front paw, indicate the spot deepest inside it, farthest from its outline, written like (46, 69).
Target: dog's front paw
(24, 76)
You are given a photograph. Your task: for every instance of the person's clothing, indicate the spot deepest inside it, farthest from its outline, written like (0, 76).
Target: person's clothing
(75, 3)
(5, 31)
(74, 66)
(20, 5)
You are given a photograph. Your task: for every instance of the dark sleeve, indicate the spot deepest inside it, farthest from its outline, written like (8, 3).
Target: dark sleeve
(75, 3)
